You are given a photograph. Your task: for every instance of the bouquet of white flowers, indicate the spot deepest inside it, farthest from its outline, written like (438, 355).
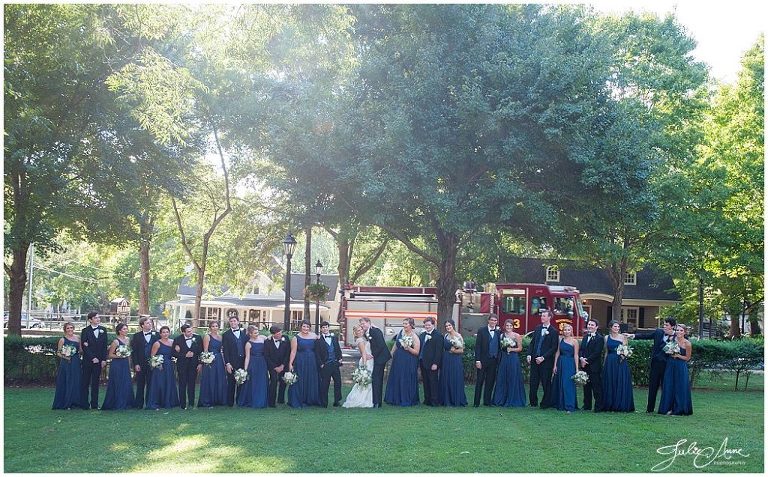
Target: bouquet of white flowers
(672, 348)
(624, 351)
(122, 351)
(580, 378)
(290, 378)
(507, 342)
(206, 357)
(406, 341)
(456, 342)
(240, 376)
(68, 351)
(361, 376)
(156, 361)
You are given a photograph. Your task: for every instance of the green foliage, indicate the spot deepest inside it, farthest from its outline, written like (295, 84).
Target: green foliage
(316, 291)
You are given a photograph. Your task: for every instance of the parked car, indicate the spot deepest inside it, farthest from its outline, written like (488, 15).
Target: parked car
(33, 322)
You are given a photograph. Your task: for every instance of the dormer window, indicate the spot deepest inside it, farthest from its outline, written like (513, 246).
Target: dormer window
(553, 274)
(630, 278)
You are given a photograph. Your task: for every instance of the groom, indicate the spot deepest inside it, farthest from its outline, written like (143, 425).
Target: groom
(380, 357)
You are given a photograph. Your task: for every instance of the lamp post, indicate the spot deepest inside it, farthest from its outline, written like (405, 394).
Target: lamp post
(319, 270)
(289, 243)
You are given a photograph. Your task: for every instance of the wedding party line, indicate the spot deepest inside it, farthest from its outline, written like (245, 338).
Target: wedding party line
(245, 368)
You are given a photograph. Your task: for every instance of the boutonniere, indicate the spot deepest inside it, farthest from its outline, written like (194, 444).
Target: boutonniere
(544, 332)
(282, 338)
(428, 337)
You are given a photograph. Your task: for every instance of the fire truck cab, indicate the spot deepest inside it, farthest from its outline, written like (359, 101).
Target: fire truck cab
(522, 302)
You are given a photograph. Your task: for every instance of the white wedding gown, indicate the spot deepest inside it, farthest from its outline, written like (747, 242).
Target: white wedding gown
(361, 396)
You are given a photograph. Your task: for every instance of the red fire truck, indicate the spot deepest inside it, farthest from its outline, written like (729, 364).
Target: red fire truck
(521, 303)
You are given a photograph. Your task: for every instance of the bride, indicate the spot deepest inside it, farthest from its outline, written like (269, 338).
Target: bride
(361, 396)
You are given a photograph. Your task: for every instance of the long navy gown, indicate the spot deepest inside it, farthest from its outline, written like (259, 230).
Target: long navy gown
(617, 381)
(163, 391)
(254, 391)
(306, 391)
(451, 380)
(119, 388)
(213, 379)
(676, 388)
(403, 381)
(563, 386)
(68, 380)
(509, 390)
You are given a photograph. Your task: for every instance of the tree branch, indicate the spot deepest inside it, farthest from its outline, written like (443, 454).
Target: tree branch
(370, 261)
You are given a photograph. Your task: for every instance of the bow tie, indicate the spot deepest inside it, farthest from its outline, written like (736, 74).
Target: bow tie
(148, 334)
(326, 336)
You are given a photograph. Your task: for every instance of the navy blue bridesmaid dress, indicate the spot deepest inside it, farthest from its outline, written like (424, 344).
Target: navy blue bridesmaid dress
(68, 380)
(451, 380)
(163, 391)
(306, 391)
(213, 379)
(254, 391)
(676, 388)
(509, 390)
(119, 388)
(563, 385)
(403, 381)
(617, 381)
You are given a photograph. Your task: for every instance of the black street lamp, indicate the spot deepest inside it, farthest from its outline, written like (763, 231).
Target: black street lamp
(289, 243)
(319, 270)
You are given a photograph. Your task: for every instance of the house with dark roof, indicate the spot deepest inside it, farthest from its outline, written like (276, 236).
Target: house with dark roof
(645, 291)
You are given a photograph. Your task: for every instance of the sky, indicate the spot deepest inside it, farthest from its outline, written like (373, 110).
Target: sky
(724, 31)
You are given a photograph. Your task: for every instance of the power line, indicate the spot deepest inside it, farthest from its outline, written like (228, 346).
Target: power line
(85, 279)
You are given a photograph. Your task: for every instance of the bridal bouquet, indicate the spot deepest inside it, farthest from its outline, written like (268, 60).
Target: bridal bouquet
(290, 378)
(580, 378)
(123, 351)
(406, 341)
(361, 376)
(456, 342)
(68, 351)
(206, 357)
(240, 376)
(507, 342)
(672, 348)
(624, 351)
(156, 361)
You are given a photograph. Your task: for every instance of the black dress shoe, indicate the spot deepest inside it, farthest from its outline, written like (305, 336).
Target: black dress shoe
(475, 405)
(585, 408)
(336, 404)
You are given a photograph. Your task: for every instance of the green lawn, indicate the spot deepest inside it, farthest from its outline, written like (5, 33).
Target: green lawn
(420, 439)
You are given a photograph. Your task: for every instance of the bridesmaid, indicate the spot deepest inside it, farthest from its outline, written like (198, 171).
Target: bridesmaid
(306, 391)
(163, 391)
(617, 380)
(451, 381)
(254, 391)
(566, 364)
(403, 381)
(68, 376)
(676, 387)
(213, 380)
(509, 390)
(119, 388)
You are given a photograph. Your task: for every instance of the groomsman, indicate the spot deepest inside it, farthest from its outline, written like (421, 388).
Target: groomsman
(233, 344)
(329, 359)
(487, 353)
(94, 342)
(141, 345)
(541, 357)
(591, 361)
(380, 355)
(430, 359)
(660, 337)
(277, 351)
(187, 348)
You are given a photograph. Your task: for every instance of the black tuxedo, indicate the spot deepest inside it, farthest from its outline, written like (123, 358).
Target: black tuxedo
(543, 346)
(275, 357)
(329, 368)
(140, 352)
(186, 368)
(658, 363)
(381, 355)
(488, 352)
(593, 353)
(91, 372)
(234, 354)
(430, 352)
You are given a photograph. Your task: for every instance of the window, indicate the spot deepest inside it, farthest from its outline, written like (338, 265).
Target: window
(514, 304)
(209, 314)
(630, 315)
(537, 303)
(630, 278)
(553, 274)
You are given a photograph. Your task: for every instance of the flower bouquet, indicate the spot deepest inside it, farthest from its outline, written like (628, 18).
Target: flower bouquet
(290, 378)
(361, 376)
(156, 361)
(241, 376)
(580, 377)
(624, 351)
(206, 357)
(68, 351)
(507, 342)
(672, 348)
(123, 351)
(456, 342)
(406, 341)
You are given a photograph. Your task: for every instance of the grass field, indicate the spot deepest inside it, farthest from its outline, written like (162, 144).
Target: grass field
(419, 439)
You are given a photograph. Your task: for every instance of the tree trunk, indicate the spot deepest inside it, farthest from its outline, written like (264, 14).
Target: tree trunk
(307, 271)
(446, 281)
(342, 244)
(17, 276)
(145, 239)
(199, 295)
(616, 272)
(735, 314)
